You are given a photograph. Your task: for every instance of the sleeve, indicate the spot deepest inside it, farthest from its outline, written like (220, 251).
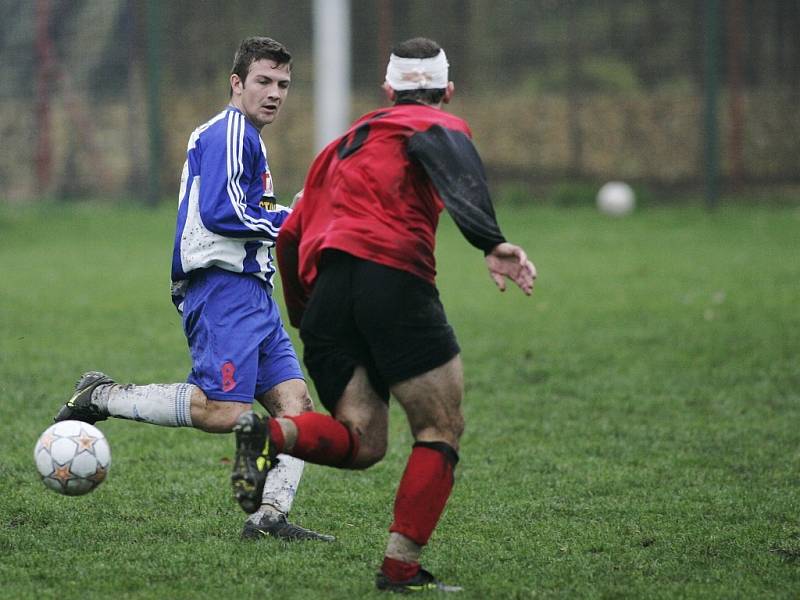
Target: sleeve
(231, 185)
(287, 253)
(452, 162)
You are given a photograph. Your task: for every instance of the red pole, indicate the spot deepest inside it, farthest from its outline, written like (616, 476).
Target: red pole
(43, 76)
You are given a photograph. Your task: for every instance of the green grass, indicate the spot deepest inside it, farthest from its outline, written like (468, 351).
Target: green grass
(633, 429)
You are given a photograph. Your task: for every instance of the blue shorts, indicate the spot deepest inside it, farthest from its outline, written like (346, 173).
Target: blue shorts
(239, 346)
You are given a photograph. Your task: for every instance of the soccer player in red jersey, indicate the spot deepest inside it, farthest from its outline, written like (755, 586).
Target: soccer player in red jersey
(356, 259)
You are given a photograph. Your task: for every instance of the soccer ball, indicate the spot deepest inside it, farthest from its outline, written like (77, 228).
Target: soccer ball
(72, 457)
(616, 198)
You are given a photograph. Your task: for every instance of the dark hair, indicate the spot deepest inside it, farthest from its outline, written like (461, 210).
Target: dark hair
(419, 47)
(258, 48)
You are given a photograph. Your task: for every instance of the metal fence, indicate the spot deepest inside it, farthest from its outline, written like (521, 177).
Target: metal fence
(98, 97)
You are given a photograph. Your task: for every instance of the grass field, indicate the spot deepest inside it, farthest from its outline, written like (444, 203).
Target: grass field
(633, 429)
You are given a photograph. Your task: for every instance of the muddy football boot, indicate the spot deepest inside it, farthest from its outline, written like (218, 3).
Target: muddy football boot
(423, 581)
(252, 461)
(80, 407)
(278, 526)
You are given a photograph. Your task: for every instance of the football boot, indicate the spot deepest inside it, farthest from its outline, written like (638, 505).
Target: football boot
(80, 407)
(278, 526)
(252, 461)
(423, 581)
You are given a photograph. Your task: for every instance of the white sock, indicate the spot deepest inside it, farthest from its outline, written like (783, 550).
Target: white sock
(161, 404)
(281, 486)
(402, 548)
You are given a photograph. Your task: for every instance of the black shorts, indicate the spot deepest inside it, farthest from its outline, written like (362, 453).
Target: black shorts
(361, 313)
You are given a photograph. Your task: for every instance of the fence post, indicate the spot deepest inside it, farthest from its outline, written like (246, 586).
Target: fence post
(44, 73)
(711, 27)
(154, 54)
(331, 39)
(735, 22)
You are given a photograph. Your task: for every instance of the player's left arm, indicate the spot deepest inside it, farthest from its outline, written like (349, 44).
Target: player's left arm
(451, 161)
(510, 261)
(287, 252)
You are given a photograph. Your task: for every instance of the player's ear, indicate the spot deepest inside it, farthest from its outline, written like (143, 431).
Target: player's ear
(389, 91)
(236, 84)
(448, 92)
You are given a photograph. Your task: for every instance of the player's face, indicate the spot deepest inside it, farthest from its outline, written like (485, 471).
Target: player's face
(261, 95)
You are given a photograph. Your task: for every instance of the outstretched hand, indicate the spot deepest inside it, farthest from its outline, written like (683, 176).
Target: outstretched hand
(510, 261)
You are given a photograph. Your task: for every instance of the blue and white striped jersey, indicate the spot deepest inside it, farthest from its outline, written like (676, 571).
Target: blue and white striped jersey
(227, 216)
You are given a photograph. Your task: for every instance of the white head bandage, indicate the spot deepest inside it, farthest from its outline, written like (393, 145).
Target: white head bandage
(417, 73)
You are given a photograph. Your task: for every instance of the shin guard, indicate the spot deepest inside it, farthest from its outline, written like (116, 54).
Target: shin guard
(424, 490)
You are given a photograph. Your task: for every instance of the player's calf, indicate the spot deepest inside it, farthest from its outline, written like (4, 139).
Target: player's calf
(98, 397)
(421, 497)
(216, 416)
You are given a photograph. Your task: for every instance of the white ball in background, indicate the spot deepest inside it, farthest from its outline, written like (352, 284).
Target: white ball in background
(616, 198)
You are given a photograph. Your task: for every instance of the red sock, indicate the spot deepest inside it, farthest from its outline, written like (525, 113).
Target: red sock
(424, 490)
(276, 437)
(398, 570)
(321, 439)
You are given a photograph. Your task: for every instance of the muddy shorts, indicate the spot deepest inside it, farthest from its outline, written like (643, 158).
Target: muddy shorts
(239, 346)
(361, 313)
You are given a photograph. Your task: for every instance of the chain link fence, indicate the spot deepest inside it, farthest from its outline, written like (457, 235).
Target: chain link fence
(98, 97)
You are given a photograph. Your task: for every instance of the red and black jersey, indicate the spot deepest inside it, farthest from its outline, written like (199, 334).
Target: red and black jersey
(377, 192)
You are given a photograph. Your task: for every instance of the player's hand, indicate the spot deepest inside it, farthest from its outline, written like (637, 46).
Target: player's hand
(510, 261)
(297, 197)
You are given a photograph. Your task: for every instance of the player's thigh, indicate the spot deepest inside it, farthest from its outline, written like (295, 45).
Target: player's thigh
(223, 323)
(280, 385)
(403, 322)
(432, 403)
(332, 342)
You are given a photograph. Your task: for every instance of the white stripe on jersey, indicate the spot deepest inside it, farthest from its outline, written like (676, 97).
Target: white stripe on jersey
(234, 152)
(196, 133)
(189, 147)
(233, 148)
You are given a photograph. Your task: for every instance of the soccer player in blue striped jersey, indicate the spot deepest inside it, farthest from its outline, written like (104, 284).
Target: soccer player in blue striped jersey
(222, 270)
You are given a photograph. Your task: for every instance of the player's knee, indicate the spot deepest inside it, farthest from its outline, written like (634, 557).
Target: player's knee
(457, 426)
(451, 428)
(227, 421)
(301, 404)
(291, 400)
(370, 452)
(448, 432)
(366, 458)
(451, 424)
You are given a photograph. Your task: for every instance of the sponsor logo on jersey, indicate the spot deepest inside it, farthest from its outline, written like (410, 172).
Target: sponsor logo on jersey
(268, 204)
